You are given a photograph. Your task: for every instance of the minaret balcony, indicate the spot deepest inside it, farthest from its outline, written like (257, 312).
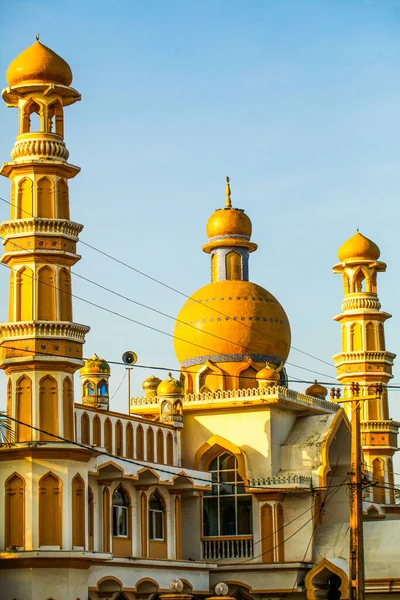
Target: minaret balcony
(44, 330)
(39, 146)
(379, 434)
(361, 303)
(40, 225)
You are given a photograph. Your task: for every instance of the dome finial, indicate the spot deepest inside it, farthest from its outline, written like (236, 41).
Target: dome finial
(228, 202)
(37, 37)
(358, 229)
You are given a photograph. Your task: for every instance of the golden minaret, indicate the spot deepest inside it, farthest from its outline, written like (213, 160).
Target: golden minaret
(365, 360)
(41, 346)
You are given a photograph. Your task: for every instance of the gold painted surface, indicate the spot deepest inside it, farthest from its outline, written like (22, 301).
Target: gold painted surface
(255, 322)
(358, 246)
(40, 64)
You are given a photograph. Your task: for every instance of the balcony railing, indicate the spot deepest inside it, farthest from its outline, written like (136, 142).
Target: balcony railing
(228, 548)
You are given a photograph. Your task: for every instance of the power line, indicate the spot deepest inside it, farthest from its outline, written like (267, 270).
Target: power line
(144, 274)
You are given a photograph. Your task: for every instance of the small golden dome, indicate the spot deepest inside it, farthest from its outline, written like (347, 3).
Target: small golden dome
(358, 246)
(95, 365)
(228, 221)
(268, 373)
(170, 387)
(317, 390)
(151, 383)
(231, 320)
(39, 64)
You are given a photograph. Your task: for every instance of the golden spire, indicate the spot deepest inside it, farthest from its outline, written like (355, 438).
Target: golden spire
(228, 202)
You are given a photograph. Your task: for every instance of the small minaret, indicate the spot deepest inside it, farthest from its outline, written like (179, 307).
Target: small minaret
(170, 393)
(229, 233)
(95, 375)
(41, 346)
(364, 358)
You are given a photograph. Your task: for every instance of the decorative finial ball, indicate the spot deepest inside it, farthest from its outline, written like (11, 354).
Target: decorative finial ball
(221, 589)
(176, 585)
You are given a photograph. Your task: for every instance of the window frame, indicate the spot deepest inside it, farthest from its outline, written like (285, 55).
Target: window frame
(117, 510)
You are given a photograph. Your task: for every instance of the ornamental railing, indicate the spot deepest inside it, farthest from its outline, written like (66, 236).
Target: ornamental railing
(282, 392)
(281, 480)
(227, 548)
(379, 426)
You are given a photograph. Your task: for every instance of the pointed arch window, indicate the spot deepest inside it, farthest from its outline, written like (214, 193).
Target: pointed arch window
(170, 449)
(108, 435)
(45, 198)
(90, 518)
(65, 295)
(150, 444)
(156, 517)
(139, 443)
(46, 294)
(120, 513)
(24, 295)
(227, 508)
(50, 507)
(62, 200)
(129, 441)
(233, 265)
(25, 199)
(48, 409)
(68, 409)
(370, 337)
(119, 438)
(96, 430)
(78, 511)
(15, 511)
(102, 388)
(85, 429)
(88, 388)
(160, 447)
(24, 408)
(378, 475)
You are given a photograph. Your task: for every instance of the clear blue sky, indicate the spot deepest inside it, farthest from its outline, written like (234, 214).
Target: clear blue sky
(297, 101)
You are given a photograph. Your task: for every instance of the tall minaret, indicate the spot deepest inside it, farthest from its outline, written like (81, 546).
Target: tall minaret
(41, 347)
(364, 357)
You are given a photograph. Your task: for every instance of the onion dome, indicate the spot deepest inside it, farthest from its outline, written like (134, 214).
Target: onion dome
(358, 246)
(170, 387)
(229, 226)
(268, 375)
(39, 64)
(150, 385)
(231, 320)
(94, 364)
(317, 390)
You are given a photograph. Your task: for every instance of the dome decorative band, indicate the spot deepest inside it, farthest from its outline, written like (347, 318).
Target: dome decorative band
(217, 358)
(229, 235)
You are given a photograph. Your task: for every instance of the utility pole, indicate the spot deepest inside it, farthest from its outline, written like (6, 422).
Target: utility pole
(357, 575)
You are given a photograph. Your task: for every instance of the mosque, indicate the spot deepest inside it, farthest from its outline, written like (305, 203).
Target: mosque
(223, 481)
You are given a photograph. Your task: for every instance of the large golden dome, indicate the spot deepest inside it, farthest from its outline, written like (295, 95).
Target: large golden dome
(244, 319)
(39, 64)
(358, 246)
(228, 221)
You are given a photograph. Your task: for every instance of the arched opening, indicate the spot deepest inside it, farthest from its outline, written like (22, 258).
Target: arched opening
(48, 409)
(121, 528)
(247, 378)
(327, 581)
(55, 122)
(178, 527)
(45, 198)
(50, 510)
(96, 430)
(85, 428)
(267, 533)
(62, 200)
(381, 333)
(78, 511)
(157, 526)
(344, 338)
(106, 520)
(160, 447)
(280, 549)
(233, 264)
(390, 480)
(378, 475)
(102, 388)
(68, 409)
(108, 435)
(150, 444)
(90, 519)
(129, 441)
(210, 378)
(9, 402)
(170, 449)
(15, 511)
(143, 524)
(24, 304)
(11, 302)
(372, 405)
(119, 440)
(88, 388)
(139, 443)
(227, 510)
(370, 337)
(46, 307)
(64, 285)
(25, 199)
(31, 121)
(355, 337)
(24, 408)
(214, 267)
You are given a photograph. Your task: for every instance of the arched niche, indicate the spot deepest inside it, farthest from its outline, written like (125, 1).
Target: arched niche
(328, 575)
